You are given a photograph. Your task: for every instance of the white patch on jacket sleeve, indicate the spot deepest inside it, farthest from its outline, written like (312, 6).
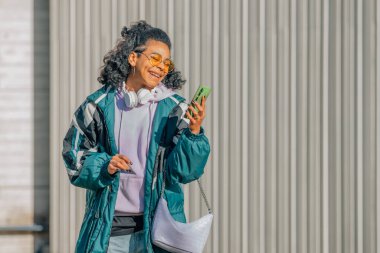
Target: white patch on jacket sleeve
(75, 124)
(89, 113)
(79, 156)
(184, 108)
(104, 95)
(72, 172)
(186, 120)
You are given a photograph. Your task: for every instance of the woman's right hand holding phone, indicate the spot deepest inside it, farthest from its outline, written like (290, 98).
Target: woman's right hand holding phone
(197, 116)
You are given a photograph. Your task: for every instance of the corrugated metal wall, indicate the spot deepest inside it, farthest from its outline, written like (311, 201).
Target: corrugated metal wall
(293, 119)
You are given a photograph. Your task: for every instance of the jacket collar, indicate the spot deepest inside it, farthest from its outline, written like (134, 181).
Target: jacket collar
(104, 98)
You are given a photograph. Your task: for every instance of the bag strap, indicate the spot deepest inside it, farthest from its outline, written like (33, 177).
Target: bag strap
(162, 166)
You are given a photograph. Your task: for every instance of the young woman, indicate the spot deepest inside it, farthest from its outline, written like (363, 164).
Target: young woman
(111, 146)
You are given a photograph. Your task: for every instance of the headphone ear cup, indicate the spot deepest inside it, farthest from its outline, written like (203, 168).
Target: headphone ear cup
(133, 98)
(144, 95)
(130, 98)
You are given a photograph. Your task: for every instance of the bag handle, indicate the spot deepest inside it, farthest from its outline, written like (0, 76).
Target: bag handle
(162, 167)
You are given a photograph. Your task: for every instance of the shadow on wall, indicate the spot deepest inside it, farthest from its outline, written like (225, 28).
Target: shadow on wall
(41, 122)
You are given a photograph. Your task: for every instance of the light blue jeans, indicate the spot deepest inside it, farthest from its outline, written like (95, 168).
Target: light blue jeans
(133, 243)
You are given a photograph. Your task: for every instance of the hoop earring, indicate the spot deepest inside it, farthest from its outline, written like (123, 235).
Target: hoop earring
(134, 71)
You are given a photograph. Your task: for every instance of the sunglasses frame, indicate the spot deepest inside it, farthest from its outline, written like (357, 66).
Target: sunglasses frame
(150, 60)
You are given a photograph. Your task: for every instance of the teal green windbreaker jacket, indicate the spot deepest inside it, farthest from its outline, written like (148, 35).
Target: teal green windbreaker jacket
(89, 146)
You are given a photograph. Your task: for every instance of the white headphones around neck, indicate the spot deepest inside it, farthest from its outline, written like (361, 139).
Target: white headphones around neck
(132, 99)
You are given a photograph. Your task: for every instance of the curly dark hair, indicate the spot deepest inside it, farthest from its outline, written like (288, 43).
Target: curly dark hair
(116, 66)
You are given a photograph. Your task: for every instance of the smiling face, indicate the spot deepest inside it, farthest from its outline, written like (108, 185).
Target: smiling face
(146, 75)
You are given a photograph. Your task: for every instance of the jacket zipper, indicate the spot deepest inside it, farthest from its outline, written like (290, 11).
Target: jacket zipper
(109, 200)
(102, 215)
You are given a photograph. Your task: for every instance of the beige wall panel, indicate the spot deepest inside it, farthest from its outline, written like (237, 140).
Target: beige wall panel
(16, 243)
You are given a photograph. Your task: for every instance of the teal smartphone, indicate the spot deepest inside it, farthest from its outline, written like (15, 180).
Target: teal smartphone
(202, 91)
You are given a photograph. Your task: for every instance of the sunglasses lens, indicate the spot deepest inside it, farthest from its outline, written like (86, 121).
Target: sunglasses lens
(169, 65)
(155, 59)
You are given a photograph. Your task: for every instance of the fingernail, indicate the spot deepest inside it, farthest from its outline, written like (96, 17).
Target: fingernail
(131, 162)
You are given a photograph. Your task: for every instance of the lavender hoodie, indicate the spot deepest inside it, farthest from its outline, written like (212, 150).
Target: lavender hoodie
(132, 135)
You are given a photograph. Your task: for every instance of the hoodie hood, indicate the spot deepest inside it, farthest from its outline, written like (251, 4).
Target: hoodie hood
(157, 94)
(161, 92)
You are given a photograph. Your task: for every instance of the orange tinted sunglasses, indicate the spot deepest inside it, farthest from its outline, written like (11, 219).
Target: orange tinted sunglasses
(155, 60)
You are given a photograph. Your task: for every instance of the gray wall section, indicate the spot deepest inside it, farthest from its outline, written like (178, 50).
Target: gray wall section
(41, 111)
(24, 123)
(16, 123)
(293, 119)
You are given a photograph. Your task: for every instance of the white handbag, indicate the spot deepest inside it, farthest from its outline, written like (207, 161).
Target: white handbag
(179, 237)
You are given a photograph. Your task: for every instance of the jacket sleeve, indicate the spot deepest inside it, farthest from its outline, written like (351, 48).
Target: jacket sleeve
(188, 158)
(86, 165)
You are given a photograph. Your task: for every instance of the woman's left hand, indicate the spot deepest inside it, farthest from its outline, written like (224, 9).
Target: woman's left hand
(197, 118)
